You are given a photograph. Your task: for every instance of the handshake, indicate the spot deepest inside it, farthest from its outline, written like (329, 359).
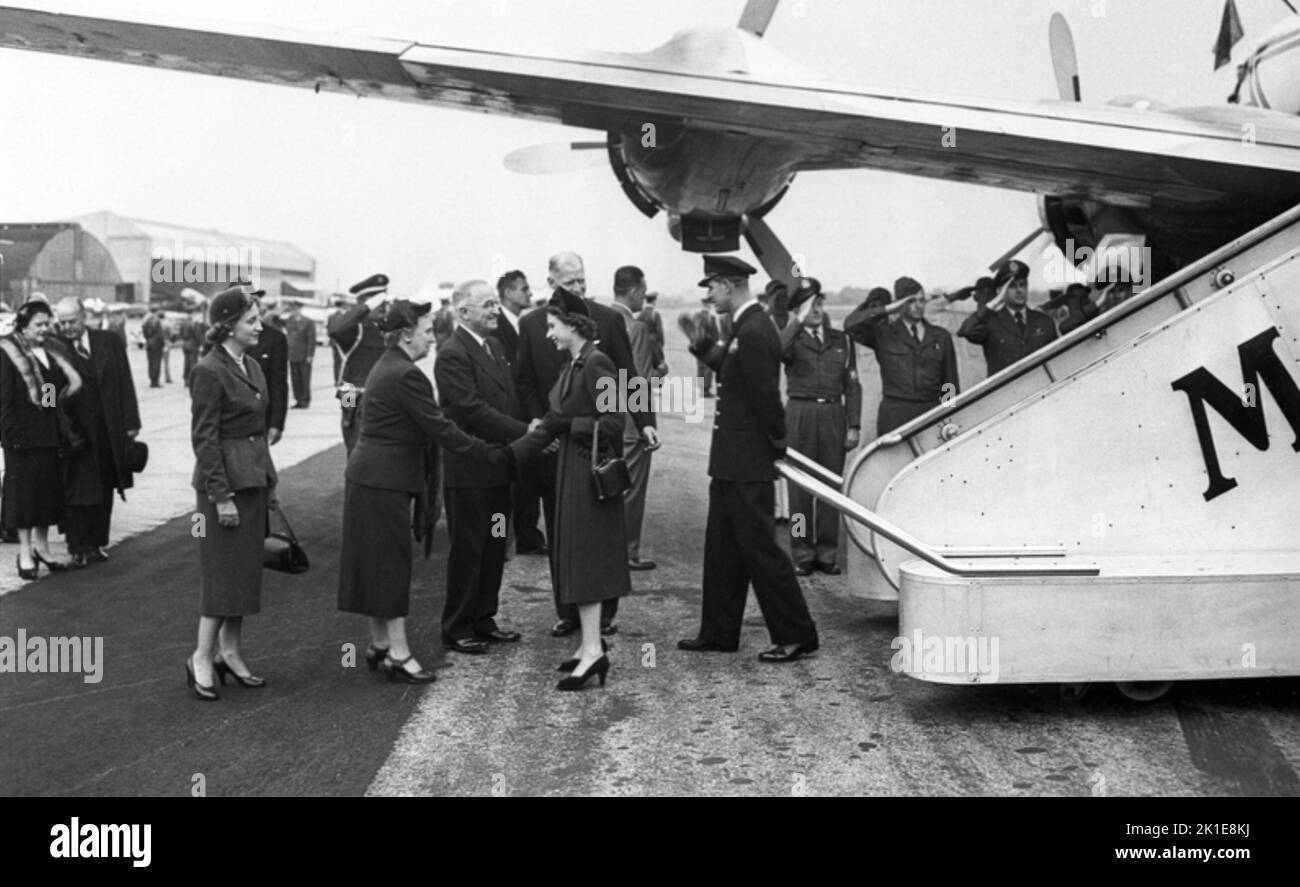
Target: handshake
(553, 446)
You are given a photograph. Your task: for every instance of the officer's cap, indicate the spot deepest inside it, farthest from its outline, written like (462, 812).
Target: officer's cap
(906, 286)
(371, 286)
(1009, 271)
(725, 266)
(808, 288)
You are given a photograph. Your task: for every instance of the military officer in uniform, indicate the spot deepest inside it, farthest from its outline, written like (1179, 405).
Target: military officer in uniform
(740, 546)
(354, 332)
(822, 418)
(918, 363)
(1006, 327)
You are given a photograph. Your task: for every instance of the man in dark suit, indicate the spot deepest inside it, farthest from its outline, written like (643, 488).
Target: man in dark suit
(272, 354)
(155, 343)
(918, 362)
(537, 369)
(109, 416)
(301, 333)
(476, 392)
(354, 333)
(1008, 333)
(516, 298)
(740, 545)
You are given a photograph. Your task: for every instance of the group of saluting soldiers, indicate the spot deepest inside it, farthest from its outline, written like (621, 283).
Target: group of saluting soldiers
(518, 417)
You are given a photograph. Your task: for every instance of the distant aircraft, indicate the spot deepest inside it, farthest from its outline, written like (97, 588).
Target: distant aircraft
(712, 127)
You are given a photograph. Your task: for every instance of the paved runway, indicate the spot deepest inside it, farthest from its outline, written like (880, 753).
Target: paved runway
(668, 723)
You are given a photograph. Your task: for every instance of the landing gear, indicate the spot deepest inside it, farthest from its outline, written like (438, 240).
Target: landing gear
(1143, 691)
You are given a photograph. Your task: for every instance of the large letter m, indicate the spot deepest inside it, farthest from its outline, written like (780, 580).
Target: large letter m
(1244, 413)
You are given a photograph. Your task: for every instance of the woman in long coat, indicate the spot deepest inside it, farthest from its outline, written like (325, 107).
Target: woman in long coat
(35, 379)
(235, 483)
(590, 545)
(388, 468)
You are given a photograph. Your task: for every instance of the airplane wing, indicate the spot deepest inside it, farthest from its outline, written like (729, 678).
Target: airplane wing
(731, 80)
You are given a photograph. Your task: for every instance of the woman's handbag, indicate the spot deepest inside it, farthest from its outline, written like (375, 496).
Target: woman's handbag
(609, 477)
(281, 551)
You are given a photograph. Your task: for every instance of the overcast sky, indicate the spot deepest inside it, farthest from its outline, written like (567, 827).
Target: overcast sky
(421, 193)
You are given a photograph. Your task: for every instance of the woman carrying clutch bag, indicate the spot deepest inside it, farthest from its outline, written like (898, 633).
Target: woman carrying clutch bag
(590, 544)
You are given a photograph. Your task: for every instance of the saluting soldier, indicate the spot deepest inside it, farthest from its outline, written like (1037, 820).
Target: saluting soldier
(1006, 327)
(822, 418)
(354, 333)
(740, 546)
(918, 363)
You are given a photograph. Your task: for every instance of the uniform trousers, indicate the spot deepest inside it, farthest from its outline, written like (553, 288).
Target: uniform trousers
(817, 430)
(740, 549)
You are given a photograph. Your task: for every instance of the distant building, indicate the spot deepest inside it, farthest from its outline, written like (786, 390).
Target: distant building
(159, 259)
(59, 259)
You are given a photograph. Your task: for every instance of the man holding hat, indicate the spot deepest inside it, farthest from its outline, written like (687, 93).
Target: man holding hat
(918, 363)
(708, 325)
(1079, 306)
(749, 429)
(353, 332)
(822, 417)
(1006, 327)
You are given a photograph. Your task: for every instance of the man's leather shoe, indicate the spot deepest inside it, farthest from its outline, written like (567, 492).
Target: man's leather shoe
(802, 570)
(499, 636)
(608, 627)
(641, 565)
(96, 555)
(78, 560)
(786, 652)
(700, 645)
(830, 569)
(472, 646)
(563, 629)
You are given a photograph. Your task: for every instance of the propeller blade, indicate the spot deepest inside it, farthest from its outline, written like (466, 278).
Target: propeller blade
(1064, 60)
(556, 157)
(770, 251)
(757, 16)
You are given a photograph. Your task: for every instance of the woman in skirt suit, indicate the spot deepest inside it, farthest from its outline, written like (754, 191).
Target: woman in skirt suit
(35, 378)
(590, 545)
(235, 483)
(388, 468)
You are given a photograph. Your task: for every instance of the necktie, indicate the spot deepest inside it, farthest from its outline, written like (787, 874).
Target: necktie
(1020, 321)
(817, 334)
(916, 331)
(81, 350)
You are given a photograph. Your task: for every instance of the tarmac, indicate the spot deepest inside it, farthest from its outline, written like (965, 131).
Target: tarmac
(669, 723)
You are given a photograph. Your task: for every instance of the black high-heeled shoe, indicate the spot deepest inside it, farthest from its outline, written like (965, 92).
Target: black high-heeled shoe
(32, 573)
(375, 656)
(396, 671)
(569, 665)
(52, 566)
(251, 682)
(202, 693)
(576, 682)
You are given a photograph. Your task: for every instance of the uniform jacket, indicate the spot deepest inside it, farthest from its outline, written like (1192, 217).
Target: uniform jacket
(998, 332)
(109, 392)
(344, 328)
(572, 408)
(228, 413)
(909, 370)
(749, 423)
(399, 417)
(826, 369)
(272, 354)
(477, 392)
(301, 334)
(539, 363)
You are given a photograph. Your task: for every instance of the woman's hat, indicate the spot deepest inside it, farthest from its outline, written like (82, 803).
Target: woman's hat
(229, 305)
(401, 314)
